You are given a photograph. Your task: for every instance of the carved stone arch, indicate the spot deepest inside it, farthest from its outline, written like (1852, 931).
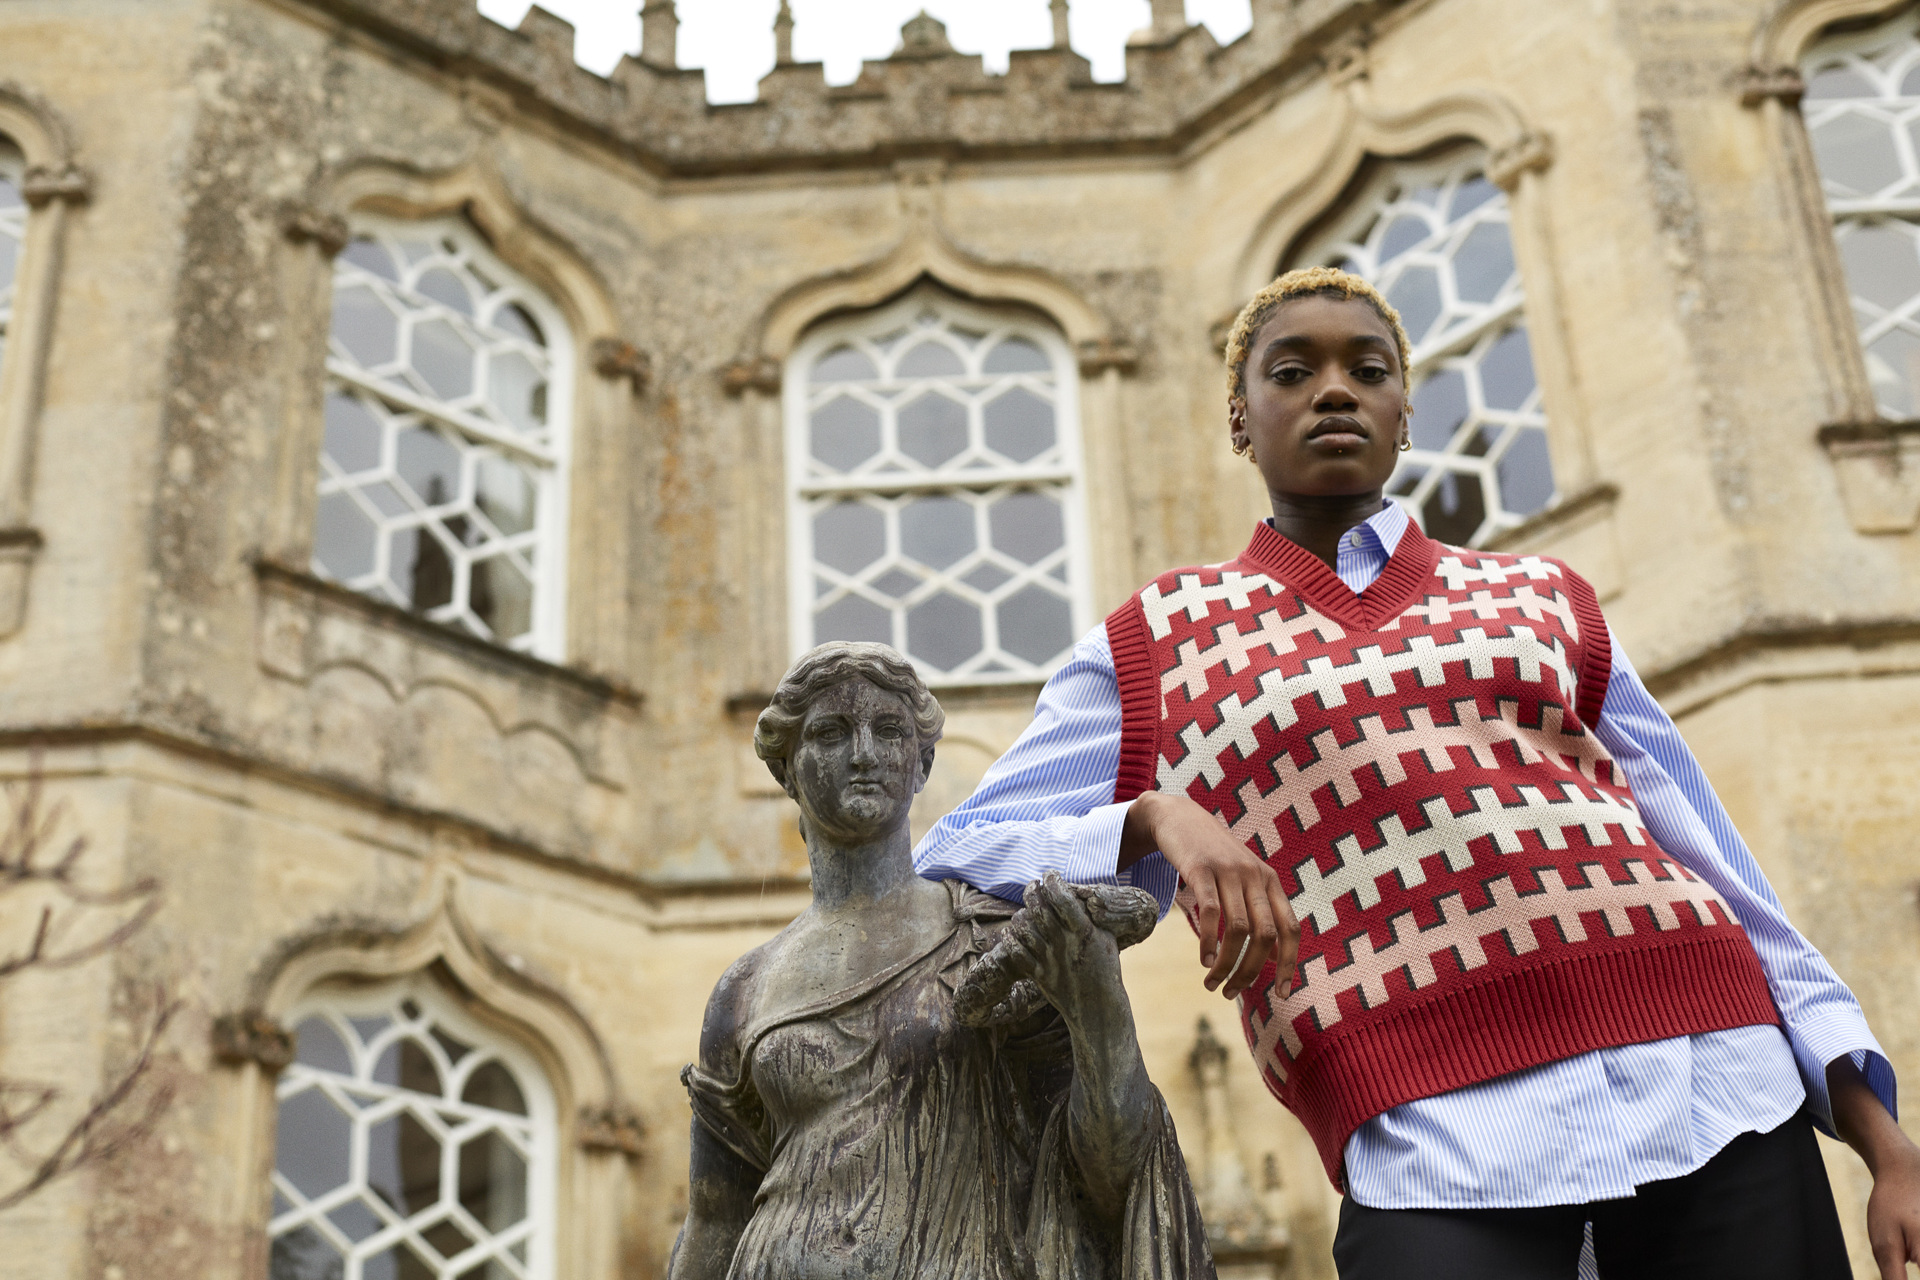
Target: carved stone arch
(1782, 39)
(1364, 132)
(495, 986)
(476, 189)
(608, 373)
(598, 1134)
(925, 253)
(45, 143)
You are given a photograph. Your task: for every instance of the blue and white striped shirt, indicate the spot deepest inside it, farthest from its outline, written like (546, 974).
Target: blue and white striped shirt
(1586, 1128)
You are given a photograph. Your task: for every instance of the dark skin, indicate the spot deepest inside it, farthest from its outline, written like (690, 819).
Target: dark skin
(1324, 411)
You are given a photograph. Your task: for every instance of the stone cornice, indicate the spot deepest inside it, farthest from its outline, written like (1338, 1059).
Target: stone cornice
(913, 104)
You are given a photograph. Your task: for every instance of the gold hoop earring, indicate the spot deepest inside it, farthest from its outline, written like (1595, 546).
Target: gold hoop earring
(1406, 443)
(1243, 447)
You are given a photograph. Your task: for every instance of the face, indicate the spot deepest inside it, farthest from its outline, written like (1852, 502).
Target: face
(857, 763)
(1325, 399)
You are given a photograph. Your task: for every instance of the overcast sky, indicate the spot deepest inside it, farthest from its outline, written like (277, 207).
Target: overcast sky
(733, 39)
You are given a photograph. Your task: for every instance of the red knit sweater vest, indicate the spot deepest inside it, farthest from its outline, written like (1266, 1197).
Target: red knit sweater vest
(1476, 891)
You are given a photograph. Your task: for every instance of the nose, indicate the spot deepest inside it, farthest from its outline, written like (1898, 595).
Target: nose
(1335, 393)
(864, 752)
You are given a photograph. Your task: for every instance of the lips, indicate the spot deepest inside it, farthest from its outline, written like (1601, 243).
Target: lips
(1338, 424)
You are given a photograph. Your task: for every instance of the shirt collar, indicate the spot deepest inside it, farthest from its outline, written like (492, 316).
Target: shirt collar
(1385, 527)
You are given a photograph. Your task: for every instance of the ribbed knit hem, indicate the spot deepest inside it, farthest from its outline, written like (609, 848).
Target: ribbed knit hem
(1139, 700)
(1522, 1019)
(1596, 648)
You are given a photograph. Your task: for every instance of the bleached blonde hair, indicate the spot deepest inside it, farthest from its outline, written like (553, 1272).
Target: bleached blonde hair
(1307, 282)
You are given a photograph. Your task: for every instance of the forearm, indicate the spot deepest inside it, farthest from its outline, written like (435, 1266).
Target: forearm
(1111, 1099)
(1861, 1119)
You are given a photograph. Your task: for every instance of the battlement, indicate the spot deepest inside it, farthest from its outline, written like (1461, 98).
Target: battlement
(924, 100)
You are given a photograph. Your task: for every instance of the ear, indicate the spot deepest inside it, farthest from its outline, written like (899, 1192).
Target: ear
(1236, 416)
(926, 769)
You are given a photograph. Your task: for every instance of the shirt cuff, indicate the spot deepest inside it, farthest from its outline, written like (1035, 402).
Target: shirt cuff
(1094, 851)
(1827, 1039)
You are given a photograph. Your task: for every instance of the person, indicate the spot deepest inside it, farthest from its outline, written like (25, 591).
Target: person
(1495, 941)
(912, 1079)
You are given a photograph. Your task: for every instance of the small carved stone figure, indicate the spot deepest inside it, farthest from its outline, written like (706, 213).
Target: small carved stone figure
(914, 1079)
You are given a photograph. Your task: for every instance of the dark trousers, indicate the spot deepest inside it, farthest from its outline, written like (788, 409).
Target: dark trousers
(1759, 1210)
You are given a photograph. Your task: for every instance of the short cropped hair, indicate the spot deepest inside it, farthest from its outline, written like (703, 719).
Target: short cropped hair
(826, 665)
(1308, 282)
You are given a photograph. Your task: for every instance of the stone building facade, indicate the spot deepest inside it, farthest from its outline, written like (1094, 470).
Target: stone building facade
(419, 457)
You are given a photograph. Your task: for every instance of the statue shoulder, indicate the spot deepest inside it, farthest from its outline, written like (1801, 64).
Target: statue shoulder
(729, 1008)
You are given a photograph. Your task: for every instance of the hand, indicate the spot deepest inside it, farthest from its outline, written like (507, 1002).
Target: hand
(1072, 960)
(1229, 883)
(1893, 1210)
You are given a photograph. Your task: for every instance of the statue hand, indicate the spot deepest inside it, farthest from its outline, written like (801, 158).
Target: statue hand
(1073, 961)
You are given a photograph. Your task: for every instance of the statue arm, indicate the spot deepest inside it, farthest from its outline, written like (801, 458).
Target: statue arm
(721, 1183)
(1112, 1107)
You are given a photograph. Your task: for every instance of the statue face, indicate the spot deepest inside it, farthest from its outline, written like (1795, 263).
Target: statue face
(857, 763)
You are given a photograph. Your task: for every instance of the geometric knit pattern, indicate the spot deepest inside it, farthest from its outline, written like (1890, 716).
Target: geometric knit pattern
(1475, 888)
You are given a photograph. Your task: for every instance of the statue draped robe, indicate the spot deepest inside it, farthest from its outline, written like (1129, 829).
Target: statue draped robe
(894, 1142)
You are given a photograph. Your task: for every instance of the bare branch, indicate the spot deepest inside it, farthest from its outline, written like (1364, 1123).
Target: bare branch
(125, 1109)
(101, 1132)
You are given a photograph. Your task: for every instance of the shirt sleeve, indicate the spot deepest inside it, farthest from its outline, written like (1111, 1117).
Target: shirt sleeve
(1684, 816)
(1047, 804)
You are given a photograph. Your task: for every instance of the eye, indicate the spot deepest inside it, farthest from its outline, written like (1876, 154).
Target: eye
(888, 731)
(1371, 373)
(1288, 374)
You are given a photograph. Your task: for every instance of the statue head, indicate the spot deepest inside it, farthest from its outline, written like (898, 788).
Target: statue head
(850, 735)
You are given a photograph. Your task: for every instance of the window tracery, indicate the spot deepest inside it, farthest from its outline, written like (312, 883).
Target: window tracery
(1862, 111)
(934, 464)
(1436, 239)
(442, 472)
(411, 1145)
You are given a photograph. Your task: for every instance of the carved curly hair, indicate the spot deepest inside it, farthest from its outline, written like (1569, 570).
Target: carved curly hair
(1323, 282)
(822, 667)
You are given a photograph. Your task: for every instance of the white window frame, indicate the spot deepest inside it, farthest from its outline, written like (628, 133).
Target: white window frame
(13, 225)
(1449, 345)
(1857, 49)
(1064, 480)
(543, 1119)
(548, 462)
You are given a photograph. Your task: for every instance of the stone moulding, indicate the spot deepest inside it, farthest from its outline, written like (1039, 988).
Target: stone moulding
(309, 627)
(921, 101)
(1877, 465)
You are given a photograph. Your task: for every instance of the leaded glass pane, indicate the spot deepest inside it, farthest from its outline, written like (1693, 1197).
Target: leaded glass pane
(1436, 240)
(440, 470)
(1862, 110)
(404, 1150)
(935, 484)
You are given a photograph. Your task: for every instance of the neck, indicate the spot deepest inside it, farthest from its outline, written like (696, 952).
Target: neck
(860, 874)
(1317, 521)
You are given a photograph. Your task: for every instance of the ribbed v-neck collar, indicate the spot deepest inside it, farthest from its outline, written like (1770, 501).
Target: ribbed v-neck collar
(1407, 571)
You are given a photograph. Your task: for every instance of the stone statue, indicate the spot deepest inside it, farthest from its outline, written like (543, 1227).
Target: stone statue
(914, 1079)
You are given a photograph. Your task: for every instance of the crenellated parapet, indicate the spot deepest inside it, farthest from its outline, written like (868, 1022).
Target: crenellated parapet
(924, 99)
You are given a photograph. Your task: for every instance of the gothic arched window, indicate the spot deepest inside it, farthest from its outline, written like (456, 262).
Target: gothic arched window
(13, 231)
(933, 459)
(1862, 106)
(442, 485)
(1434, 237)
(412, 1144)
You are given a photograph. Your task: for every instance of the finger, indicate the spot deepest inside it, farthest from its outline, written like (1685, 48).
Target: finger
(1262, 934)
(1233, 938)
(1065, 904)
(1287, 944)
(1206, 915)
